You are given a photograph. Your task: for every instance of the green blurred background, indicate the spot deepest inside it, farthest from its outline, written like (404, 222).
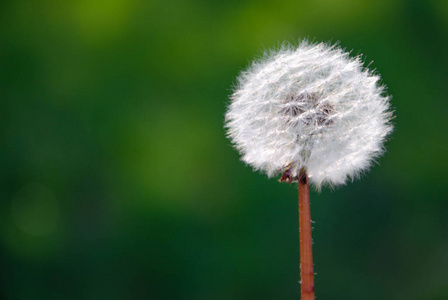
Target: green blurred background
(117, 180)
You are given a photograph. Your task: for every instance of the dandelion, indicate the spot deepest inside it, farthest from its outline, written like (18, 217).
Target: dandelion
(310, 113)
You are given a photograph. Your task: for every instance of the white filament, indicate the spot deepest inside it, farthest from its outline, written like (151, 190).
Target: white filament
(313, 108)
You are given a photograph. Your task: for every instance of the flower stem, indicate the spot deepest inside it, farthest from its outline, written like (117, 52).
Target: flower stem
(306, 252)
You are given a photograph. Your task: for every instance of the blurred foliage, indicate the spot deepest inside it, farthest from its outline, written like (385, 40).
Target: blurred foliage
(117, 180)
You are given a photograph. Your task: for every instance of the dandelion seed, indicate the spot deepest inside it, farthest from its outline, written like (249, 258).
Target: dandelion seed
(310, 113)
(313, 108)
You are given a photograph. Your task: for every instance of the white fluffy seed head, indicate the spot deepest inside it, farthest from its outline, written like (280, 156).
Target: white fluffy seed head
(312, 108)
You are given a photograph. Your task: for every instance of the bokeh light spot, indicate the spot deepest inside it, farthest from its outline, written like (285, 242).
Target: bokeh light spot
(35, 210)
(102, 20)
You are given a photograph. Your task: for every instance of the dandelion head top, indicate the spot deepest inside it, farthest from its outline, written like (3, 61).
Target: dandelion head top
(313, 109)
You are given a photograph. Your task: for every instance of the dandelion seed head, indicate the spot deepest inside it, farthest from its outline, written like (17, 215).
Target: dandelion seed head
(313, 108)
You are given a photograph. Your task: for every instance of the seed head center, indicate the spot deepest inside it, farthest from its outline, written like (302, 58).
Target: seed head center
(307, 109)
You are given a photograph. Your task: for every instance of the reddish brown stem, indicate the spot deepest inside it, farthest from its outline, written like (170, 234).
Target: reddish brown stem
(306, 253)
